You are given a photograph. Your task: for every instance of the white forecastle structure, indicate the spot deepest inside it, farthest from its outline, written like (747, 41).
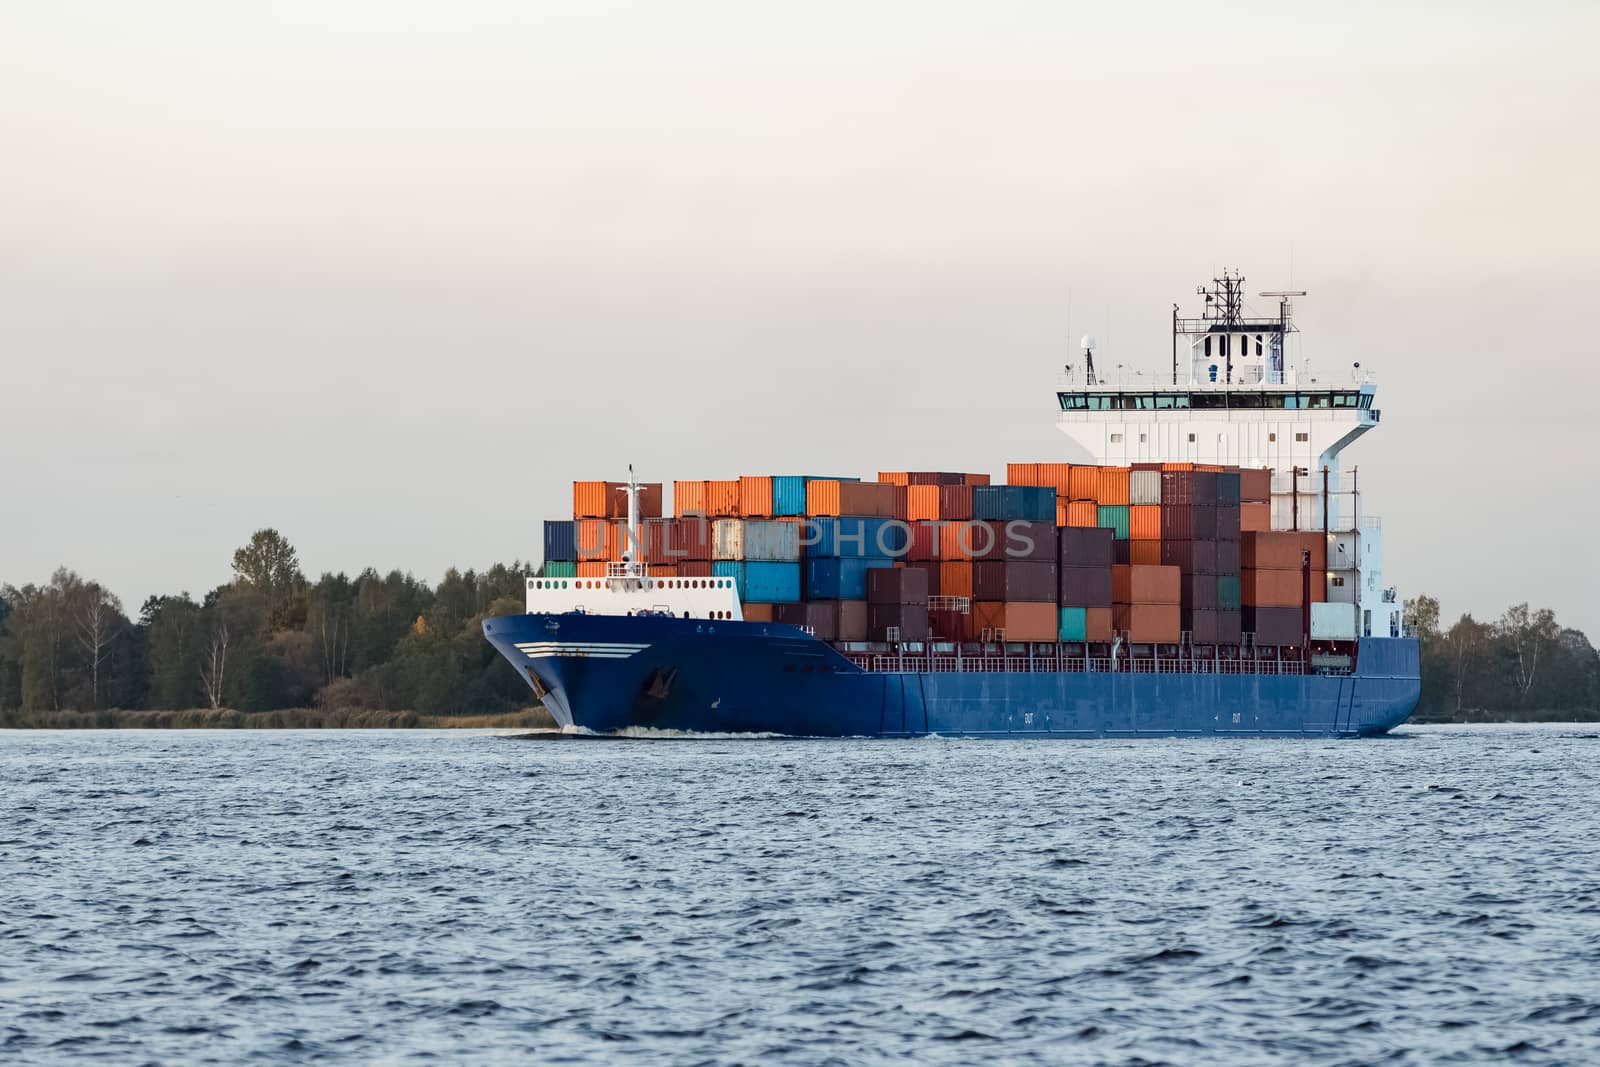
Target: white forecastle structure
(1235, 397)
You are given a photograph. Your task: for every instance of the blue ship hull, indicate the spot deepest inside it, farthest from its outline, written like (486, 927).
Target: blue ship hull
(612, 673)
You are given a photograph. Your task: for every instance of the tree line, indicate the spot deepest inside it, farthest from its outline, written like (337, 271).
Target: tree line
(268, 639)
(1522, 666)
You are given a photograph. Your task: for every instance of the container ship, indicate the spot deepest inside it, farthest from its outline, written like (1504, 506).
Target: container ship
(1194, 561)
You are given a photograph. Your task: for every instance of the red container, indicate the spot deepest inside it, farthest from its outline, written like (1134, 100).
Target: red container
(755, 496)
(897, 585)
(689, 539)
(1255, 518)
(1148, 623)
(924, 544)
(758, 612)
(695, 568)
(1255, 486)
(910, 620)
(955, 502)
(1021, 581)
(1145, 585)
(1177, 522)
(657, 570)
(1085, 587)
(975, 479)
(1177, 487)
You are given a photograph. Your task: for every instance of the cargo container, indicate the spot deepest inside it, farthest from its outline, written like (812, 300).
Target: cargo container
(689, 498)
(1145, 585)
(1334, 622)
(756, 539)
(1073, 624)
(1114, 488)
(1229, 594)
(1266, 588)
(1228, 557)
(975, 479)
(1227, 522)
(722, 498)
(821, 617)
(596, 540)
(1022, 474)
(689, 539)
(1177, 522)
(1228, 489)
(929, 568)
(1191, 557)
(1177, 488)
(969, 540)
(560, 540)
(1083, 513)
(724, 568)
(591, 568)
(1255, 486)
(607, 500)
(1144, 522)
(769, 582)
(1113, 517)
(755, 496)
(922, 502)
(559, 568)
(1203, 522)
(1017, 621)
(1148, 623)
(1085, 484)
(854, 537)
(1099, 624)
(1230, 628)
(759, 612)
(897, 585)
(1254, 517)
(1144, 487)
(694, 568)
(1085, 587)
(1198, 592)
(955, 503)
(1086, 547)
(895, 477)
(1033, 503)
(1012, 540)
(1274, 626)
(1203, 625)
(661, 570)
(1282, 550)
(903, 622)
(851, 624)
(924, 543)
(1028, 581)
(1145, 553)
(789, 492)
(955, 578)
(872, 499)
(832, 578)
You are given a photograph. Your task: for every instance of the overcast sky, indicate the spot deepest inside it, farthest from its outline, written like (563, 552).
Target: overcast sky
(389, 275)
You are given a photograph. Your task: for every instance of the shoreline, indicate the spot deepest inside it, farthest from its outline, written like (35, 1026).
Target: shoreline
(282, 719)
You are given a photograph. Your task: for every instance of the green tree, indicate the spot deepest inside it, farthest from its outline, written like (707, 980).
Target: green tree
(270, 566)
(171, 625)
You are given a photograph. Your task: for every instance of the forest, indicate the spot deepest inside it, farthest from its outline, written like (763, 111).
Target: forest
(387, 649)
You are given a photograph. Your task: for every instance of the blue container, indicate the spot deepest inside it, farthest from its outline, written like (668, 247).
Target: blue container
(767, 582)
(840, 579)
(1002, 503)
(730, 568)
(788, 494)
(1227, 488)
(560, 540)
(853, 537)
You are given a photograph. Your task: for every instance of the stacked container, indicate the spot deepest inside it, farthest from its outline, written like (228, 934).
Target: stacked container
(1145, 603)
(897, 602)
(1277, 569)
(1084, 600)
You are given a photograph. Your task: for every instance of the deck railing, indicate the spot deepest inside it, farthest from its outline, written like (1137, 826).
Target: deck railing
(1046, 663)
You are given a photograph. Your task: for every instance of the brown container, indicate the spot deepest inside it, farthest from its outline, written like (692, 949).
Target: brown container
(1113, 486)
(1255, 486)
(1203, 625)
(910, 619)
(1018, 581)
(955, 502)
(1176, 521)
(1281, 549)
(1083, 547)
(689, 539)
(657, 537)
(897, 585)
(1085, 587)
(1014, 539)
(924, 544)
(1098, 624)
(1145, 585)
(661, 570)
(955, 579)
(1227, 557)
(975, 479)
(1228, 525)
(1275, 626)
(694, 568)
(755, 496)
(852, 620)
(1264, 588)
(1198, 592)
(1177, 487)
(1018, 621)
(1148, 623)
(1254, 517)
(688, 497)
(1144, 522)
(821, 615)
(931, 569)
(1230, 628)
(758, 612)
(1145, 553)
(1190, 557)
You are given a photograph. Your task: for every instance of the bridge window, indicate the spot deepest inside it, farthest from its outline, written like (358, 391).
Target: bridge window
(1116, 438)
(1208, 345)
(1272, 437)
(1302, 437)
(1258, 344)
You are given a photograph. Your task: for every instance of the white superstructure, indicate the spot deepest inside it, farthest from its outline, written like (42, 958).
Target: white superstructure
(1235, 397)
(628, 588)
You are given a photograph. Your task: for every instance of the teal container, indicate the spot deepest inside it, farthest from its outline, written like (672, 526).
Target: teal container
(1114, 517)
(1075, 621)
(1228, 592)
(730, 568)
(560, 569)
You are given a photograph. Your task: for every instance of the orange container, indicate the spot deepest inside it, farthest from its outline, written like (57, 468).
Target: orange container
(822, 497)
(1113, 486)
(1281, 549)
(1097, 624)
(592, 570)
(688, 497)
(1056, 474)
(1144, 553)
(1148, 623)
(1144, 522)
(757, 612)
(591, 500)
(755, 496)
(922, 502)
(1085, 483)
(1177, 466)
(975, 479)
(722, 499)
(1082, 512)
(1062, 507)
(1144, 584)
(1022, 474)
(955, 579)
(1255, 518)
(662, 570)
(1019, 621)
(895, 477)
(597, 540)
(1272, 588)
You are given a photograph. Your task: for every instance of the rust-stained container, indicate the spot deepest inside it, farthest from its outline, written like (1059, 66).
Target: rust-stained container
(955, 502)
(1255, 518)
(1270, 588)
(852, 620)
(955, 579)
(1255, 486)
(755, 496)
(1021, 621)
(688, 497)
(1143, 584)
(1144, 553)
(1015, 580)
(596, 540)
(1098, 625)
(897, 585)
(1081, 547)
(1114, 486)
(1144, 487)
(592, 569)
(690, 540)
(1148, 623)
(722, 498)
(1084, 484)
(1085, 587)
(1083, 512)
(1144, 522)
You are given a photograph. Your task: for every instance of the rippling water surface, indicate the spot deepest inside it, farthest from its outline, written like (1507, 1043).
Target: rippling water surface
(363, 896)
